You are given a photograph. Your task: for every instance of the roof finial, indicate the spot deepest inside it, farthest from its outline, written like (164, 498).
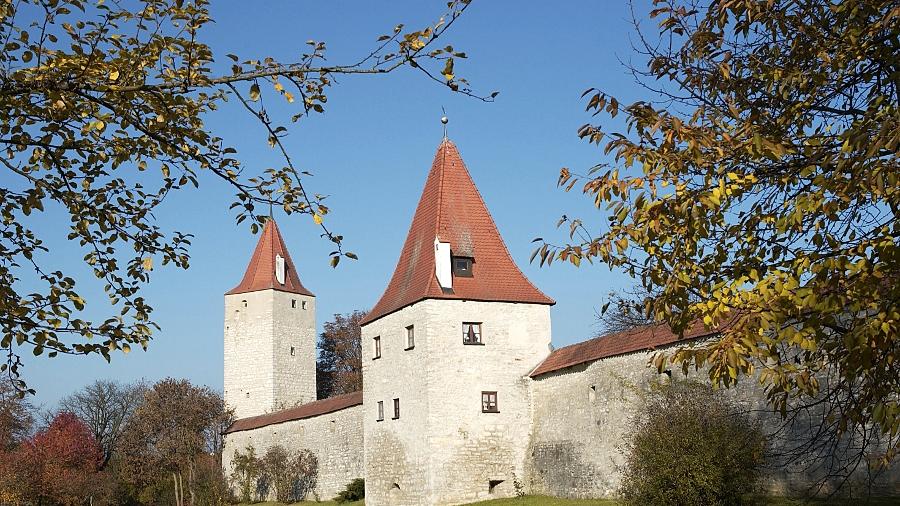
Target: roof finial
(444, 121)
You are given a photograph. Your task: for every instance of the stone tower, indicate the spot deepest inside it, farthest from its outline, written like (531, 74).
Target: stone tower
(270, 333)
(446, 355)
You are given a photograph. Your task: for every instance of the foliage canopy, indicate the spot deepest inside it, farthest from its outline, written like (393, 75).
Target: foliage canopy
(339, 364)
(102, 116)
(758, 190)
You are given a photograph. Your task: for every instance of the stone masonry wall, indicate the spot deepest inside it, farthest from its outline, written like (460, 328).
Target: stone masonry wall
(294, 325)
(397, 469)
(261, 373)
(471, 450)
(581, 414)
(443, 449)
(335, 438)
(249, 385)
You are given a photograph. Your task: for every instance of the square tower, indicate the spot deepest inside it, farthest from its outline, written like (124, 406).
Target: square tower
(446, 355)
(270, 333)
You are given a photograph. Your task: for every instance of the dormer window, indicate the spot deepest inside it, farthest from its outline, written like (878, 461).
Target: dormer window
(462, 267)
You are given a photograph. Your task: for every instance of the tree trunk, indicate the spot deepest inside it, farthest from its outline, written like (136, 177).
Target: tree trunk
(175, 479)
(191, 481)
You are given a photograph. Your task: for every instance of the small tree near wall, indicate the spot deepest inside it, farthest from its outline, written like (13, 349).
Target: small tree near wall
(688, 445)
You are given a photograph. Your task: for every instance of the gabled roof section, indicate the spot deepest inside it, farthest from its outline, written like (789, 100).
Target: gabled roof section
(644, 338)
(308, 410)
(260, 274)
(452, 210)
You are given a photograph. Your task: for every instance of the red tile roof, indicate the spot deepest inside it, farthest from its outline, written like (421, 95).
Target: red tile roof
(308, 410)
(260, 274)
(452, 210)
(645, 338)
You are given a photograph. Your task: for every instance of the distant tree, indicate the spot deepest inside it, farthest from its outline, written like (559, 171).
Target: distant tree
(624, 310)
(173, 431)
(757, 189)
(103, 115)
(339, 365)
(16, 416)
(105, 406)
(59, 464)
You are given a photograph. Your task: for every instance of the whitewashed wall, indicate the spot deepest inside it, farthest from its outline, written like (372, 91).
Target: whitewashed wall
(443, 449)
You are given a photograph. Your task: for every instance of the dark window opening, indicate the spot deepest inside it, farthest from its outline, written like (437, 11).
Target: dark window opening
(471, 333)
(292, 351)
(493, 484)
(410, 337)
(380, 411)
(489, 402)
(377, 350)
(303, 304)
(462, 266)
(294, 303)
(396, 409)
(245, 303)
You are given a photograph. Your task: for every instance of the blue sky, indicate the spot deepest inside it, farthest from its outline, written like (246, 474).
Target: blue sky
(370, 152)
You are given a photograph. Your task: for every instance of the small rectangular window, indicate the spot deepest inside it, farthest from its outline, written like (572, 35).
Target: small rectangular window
(471, 332)
(303, 304)
(380, 411)
(489, 402)
(396, 409)
(294, 303)
(376, 342)
(462, 266)
(292, 351)
(410, 337)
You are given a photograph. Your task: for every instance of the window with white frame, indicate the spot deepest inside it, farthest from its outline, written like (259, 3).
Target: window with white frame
(380, 411)
(489, 402)
(471, 332)
(376, 347)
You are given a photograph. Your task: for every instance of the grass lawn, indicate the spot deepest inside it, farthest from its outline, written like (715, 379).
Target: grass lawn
(541, 500)
(537, 500)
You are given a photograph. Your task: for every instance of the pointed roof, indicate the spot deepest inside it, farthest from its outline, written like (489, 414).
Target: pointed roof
(452, 210)
(260, 274)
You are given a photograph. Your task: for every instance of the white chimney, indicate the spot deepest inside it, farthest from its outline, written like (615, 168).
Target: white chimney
(442, 266)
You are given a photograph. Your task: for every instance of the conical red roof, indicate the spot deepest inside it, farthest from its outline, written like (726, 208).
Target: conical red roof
(260, 273)
(452, 210)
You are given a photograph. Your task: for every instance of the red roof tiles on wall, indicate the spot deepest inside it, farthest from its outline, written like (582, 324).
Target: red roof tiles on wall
(452, 210)
(308, 410)
(260, 274)
(645, 338)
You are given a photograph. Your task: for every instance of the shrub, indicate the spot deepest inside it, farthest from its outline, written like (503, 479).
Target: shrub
(289, 476)
(292, 477)
(247, 471)
(688, 445)
(355, 491)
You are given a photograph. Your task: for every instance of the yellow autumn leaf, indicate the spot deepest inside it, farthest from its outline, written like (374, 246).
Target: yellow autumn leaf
(148, 263)
(317, 219)
(114, 75)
